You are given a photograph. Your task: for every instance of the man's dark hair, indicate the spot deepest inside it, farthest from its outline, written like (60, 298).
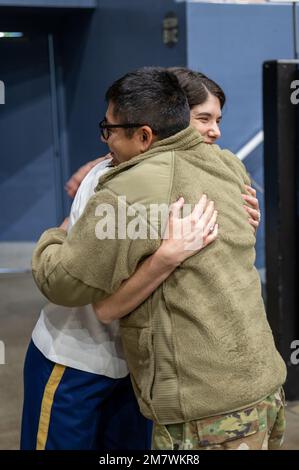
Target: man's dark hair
(150, 96)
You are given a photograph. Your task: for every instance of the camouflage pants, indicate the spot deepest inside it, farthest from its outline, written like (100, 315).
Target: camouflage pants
(257, 428)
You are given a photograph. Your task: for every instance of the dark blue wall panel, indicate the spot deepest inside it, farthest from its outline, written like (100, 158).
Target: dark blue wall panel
(227, 42)
(122, 35)
(230, 43)
(27, 165)
(50, 3)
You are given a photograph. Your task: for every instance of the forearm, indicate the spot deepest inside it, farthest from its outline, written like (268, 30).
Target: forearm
(135, 290)
(53, 280)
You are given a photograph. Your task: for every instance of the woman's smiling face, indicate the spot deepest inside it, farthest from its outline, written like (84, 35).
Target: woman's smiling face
(206, 118)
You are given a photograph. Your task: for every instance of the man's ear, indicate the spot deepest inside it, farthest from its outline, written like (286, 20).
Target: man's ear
(146, 137)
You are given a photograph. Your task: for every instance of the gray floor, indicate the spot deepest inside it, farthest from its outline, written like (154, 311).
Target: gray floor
(20, 303)
(19, 306)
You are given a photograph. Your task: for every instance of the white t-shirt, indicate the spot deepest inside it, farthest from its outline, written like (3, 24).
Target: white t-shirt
(74, 337)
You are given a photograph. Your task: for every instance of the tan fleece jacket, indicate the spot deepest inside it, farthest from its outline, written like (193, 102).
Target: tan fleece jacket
(201, 344)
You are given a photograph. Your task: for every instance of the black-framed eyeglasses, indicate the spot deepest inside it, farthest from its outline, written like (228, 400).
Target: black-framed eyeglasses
(104, 127)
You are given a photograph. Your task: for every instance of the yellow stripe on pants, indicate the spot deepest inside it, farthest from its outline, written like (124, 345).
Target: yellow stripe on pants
(47, 403)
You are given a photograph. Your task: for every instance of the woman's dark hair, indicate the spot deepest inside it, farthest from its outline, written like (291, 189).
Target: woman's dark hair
(152, 96)
(197, 86)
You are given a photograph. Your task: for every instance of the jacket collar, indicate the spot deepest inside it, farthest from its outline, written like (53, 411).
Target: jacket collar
(183, 140)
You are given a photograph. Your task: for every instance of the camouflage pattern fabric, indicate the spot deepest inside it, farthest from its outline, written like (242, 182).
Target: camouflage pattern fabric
(257, 428)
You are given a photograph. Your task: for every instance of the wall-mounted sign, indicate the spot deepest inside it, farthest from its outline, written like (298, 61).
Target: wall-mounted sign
(170, 29)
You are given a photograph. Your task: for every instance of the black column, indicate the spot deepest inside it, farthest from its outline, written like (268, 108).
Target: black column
(281, 127)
